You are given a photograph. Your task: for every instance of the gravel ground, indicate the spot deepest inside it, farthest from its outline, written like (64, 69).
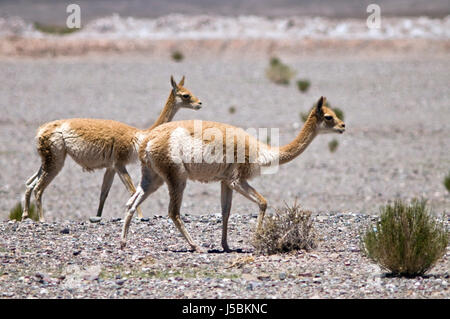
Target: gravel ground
(396, 146)
(82, 260)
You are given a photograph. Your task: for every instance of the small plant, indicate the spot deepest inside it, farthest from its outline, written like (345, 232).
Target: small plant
(406, 240)
(339, 113)
(447, 182)
(279, 72)
(274, 61)
(303, 85)
(16, 212)
(304, 116)
(232, 110)
(177, 56)
(54, 29)
(333, 145)
(289, 229)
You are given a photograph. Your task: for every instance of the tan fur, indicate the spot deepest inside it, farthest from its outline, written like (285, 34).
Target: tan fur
(96, 144)
(160, 163)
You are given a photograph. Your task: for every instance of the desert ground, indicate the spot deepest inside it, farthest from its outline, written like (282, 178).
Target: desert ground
(396, 145)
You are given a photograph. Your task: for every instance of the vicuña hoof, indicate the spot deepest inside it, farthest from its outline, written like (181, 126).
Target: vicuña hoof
(95, 219)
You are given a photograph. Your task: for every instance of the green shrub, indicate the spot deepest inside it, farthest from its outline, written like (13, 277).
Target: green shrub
(16, 212)
(54, 29)
(232, 110)
(304, 116)
(406, 240)
(274, 61)
(177, 56)
(278, 72)
(339, 113)
(333, 145)
(447, 182)
(303, 85)
(289, 229)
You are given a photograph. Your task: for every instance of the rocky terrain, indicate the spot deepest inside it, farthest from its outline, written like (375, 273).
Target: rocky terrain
(82, 260)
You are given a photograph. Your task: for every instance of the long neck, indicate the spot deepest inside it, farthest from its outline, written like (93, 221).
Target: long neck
(167, 113)
(308, 132)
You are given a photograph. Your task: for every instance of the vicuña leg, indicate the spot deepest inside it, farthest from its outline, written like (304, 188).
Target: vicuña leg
(30, 184)
(150, 182)
(108, 179)
(226, 199)
(245, 189)
(176, 189)
(126, 180)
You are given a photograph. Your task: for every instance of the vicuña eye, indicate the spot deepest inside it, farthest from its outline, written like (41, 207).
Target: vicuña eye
(186, 96)
(328, 117)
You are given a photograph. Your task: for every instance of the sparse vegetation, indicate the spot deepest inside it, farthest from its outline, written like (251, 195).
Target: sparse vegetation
(339, 113)
(304, 116)
(333, 145)
(232, 110)
(54, 29)
(177, 56)
(289, 229)
(16, 212)
(407, 240)
(447, 182)
(303, 85)
(278, 72)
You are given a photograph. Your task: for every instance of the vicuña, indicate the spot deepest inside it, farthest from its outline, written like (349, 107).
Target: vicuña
(160, 150)
(96, 144)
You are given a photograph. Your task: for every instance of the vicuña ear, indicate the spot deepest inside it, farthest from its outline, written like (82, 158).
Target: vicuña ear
(174, 84)
(320, 103)
(181, 82)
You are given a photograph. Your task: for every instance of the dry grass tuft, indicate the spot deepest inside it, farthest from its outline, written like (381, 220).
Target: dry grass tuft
(289, 229)
(16, 212)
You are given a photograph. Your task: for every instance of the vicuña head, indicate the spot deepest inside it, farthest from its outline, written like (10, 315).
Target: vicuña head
(330, 123)
(163, 160)
(184, 98)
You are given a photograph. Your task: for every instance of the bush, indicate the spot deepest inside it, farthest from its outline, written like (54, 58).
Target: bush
(304, 116)
(447, 182)
(406, 240)
(303, 85)
(54, 29)
(339, 113)
(177, 56)
(333, 145)
(278, 72)
(16, 212)
(232, 110)
(289, 229)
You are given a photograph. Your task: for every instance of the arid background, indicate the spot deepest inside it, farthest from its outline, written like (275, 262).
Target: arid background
(392, 87)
